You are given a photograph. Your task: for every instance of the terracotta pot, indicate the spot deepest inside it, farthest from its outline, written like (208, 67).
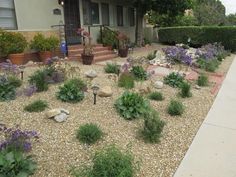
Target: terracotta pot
(87, 59)
(123, 53)
(18, 59)
(44, 55)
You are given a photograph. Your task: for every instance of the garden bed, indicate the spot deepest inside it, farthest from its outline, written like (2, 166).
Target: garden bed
(58, 149)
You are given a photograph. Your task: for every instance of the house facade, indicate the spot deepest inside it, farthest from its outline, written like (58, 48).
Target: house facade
(50, 16)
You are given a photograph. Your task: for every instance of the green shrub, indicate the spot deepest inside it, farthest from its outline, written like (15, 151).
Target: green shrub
(151, 56)
(89, 133)
(199, 35)
(36, 106)
(72, 91)
(109, 38)
(174, 80)
(185, 90)
(13, 80)
(139, 73)
(39, 80)
(7, 89)
(16, 164)
(112, 68)
(126, 80)
(157, 96)
(175, 108)
(209, 66)
(202, 80)
(131, 105)
(153, 127)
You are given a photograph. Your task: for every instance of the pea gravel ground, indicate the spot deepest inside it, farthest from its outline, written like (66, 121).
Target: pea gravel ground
(58, 149)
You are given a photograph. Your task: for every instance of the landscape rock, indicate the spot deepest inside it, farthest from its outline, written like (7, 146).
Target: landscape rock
(158, 84)
(65, 111)
(197, 87)
(61, 117)
(91, 74)
(105, 91)
(52, 113)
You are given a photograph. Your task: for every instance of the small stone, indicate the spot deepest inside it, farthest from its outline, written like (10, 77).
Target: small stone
(91, 74)
(61, 117)
(52, 113)
(65, 111)
(105, 92)
(197, 87)
(158, 84)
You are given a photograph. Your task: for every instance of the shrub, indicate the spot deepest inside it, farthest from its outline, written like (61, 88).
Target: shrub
(174, 79)
(175, 108)
(126, 80)
(7, 89)
(185, 90)
(202, 80)
(131, 105)
(109, 38)
(208, 65)
(89, 133)
(157, 96)
(112, 68)
(72, 91)
(39, 80)
(36, 106)
(199, 35)
(13, 80)
(151, 56)
(153, 127)
(139, 73)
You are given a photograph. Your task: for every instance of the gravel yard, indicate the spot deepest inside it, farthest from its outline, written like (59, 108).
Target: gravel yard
(58, 149)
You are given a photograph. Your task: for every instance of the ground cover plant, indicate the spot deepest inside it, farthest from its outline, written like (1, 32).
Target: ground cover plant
(202, 80)
(185, 90)
(126, 80)
(36, 106)
(131, 106)
(72, 91)
(174, 80)
(153, 127)
(38, 79)
(112, 68)
(175, 108)
(89, 133)
(139, 73)
(109, 162)
(157, 96)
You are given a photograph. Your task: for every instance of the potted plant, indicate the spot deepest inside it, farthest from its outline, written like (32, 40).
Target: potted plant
(87, 55)
(13, 46)
(123, 45)
(44, 45)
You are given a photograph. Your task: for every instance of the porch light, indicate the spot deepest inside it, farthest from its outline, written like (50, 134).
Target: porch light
(61, 2)
(95, 89)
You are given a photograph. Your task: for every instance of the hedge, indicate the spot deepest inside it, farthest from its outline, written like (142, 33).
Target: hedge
(199, 35)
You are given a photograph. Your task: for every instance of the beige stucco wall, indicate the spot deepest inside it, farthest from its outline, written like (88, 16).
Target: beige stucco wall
(37, 15)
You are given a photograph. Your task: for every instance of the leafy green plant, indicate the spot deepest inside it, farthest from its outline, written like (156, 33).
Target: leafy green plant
(185, 90)
(139, 73)
(15, 81)
(175, 108)
(131, 105)
(16, 164)
(7, 90)
(39, 80)
(126, 80)
(157, 96)
(72, 91)
(152, 55)
(202, 80)
(153, 127)
(112, 68)
(174, 80)
(210, 65)
(109, 162)
(89, 133)
(109, 38)
(36, 106)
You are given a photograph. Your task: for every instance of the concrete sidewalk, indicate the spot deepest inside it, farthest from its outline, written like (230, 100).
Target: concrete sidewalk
(213, 151)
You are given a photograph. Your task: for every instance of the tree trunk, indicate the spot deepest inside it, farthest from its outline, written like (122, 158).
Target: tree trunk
(139, 29)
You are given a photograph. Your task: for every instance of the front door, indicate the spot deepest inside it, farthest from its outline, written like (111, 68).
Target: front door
(72, 21)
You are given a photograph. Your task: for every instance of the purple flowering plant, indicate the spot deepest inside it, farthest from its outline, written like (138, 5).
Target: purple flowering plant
(9, 68)
(17, 139)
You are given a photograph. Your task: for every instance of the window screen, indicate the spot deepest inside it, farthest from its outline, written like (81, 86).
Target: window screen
(105, 14)
(7, 14)
(86, 12)
(131, 17)
(95, 13)
(120, 21)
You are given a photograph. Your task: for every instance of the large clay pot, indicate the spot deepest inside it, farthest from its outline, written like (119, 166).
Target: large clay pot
(18, 59)
(44, 55)
(123, 53)
(87, 59)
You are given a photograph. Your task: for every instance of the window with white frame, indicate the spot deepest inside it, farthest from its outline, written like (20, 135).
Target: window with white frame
(7, 14)
(95, 13)
(86, 12)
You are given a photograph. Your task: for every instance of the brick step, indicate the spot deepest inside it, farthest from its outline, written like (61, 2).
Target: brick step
(75, 47)
(98, 53)
(95, 49)
(96, 58)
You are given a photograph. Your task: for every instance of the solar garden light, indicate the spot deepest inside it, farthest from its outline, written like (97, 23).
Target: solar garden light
(95, 89)
(21, 72)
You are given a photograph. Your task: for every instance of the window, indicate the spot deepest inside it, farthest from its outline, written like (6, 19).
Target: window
(86, 12)
(131, 17)
(95, 13)
(120, 21)
(7, 14)
(105, 14)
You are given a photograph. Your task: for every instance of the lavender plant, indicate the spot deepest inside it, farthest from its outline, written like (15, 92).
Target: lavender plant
(9, 68)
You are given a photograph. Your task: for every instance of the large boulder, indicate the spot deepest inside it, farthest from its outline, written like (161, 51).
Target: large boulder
(61, 117)
(105, 92)
(91, 74)
(158, 84)
(52, 113)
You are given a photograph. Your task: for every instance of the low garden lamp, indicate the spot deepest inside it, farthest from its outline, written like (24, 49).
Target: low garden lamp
(95, 89)
(21, 72)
